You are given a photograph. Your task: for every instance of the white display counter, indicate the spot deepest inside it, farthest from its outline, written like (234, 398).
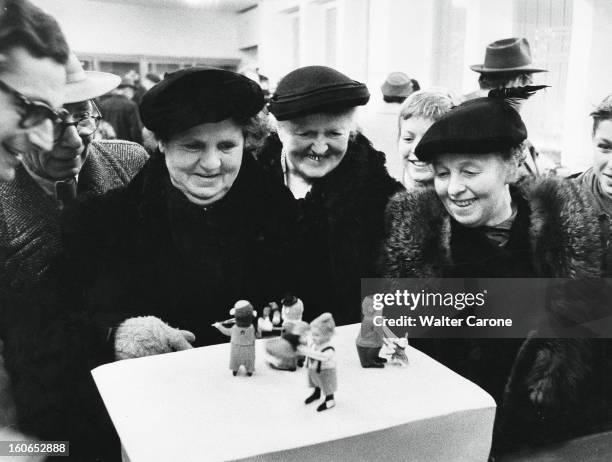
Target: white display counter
(187, 406)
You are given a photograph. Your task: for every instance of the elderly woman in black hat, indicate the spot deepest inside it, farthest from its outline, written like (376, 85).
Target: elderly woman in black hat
(476, 223)
(200, 227)
(338, 181)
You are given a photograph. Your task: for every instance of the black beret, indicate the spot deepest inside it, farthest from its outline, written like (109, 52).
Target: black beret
(477, 126)
(313, 89)
(198, 95)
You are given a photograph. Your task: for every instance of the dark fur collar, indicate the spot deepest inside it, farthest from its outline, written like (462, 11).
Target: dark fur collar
(360, 175)
(564, 234)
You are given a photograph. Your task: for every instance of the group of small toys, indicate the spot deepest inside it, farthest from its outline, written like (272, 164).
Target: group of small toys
(302, 344)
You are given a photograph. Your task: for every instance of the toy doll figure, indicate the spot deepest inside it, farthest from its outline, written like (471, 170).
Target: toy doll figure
(398, 345)
(242, 337)
(292, 309)
(276, 315)
(370, 338)
(321, 361)
(264, 324)
(283, 352)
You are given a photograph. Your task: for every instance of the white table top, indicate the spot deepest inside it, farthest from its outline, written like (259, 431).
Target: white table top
(188, 406)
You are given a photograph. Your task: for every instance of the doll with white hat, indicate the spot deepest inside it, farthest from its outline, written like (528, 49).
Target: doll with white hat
(242, 337)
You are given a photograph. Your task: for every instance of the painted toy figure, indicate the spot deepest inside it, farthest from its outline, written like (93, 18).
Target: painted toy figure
(321, 361)
(398, 345)
(283, 351)
(275, 315)
(370, 338)
(292, 309)
(242, 337)
(264, 324)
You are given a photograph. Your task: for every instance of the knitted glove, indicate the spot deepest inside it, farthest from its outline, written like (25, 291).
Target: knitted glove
(148, 335)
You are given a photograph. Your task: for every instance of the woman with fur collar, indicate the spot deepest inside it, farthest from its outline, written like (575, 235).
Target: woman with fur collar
(475, 223)
(339, 183)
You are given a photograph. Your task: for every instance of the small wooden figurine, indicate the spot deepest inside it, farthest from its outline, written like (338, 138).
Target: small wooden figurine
(242, 337)
(321, 361)
(398, 345)
(370, 338)
(283, 351)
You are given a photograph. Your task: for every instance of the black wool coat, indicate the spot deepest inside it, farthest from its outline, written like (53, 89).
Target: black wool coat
(339, 228)
(147, 250)
(555, 235)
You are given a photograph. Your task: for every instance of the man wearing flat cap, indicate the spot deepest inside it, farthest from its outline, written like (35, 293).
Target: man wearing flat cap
(338, 181)
(507, 64)
(47, 181)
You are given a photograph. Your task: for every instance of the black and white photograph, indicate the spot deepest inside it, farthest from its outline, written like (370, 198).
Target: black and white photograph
(305, 230)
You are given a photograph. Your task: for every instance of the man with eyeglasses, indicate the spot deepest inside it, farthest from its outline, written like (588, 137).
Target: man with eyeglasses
(48, 180)
(33, 52)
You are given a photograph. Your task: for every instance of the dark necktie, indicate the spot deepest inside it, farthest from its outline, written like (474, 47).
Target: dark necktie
(66, 190)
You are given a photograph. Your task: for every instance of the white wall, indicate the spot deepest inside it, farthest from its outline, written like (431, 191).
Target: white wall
(113, 28)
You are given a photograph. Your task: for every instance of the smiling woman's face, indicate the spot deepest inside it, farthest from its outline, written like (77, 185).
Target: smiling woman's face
(204, 161)
(474, 187)
(602, 156)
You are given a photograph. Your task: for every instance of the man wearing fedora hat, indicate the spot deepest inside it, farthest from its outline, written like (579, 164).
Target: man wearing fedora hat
(507, 64)
(46, 181)
(121, 112)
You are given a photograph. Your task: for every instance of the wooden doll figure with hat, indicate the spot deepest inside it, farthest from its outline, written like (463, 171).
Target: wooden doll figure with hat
(321, 361)
(242, 337)
(370, 338)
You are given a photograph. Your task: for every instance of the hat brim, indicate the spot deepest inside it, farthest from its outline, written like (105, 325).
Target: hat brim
(528, 68)
(95, 84)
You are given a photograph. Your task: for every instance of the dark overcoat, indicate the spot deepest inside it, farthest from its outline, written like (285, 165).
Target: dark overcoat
(147, 250)
(339, 230)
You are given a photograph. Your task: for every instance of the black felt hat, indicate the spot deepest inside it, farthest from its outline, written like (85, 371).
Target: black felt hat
(313, 89)
(198, 95)
(477, 126)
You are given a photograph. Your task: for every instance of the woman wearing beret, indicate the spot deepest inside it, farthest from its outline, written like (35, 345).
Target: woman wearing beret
(338, 181)
(200, 227)
(476, 223)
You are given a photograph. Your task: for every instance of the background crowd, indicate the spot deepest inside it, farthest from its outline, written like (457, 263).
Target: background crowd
(110, 251)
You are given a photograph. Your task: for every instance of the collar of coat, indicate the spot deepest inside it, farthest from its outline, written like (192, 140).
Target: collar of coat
(253, 201)
(360, 174)
(564, 235)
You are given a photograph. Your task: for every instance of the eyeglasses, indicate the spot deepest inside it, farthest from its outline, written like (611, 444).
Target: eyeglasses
(85, 125)
(33, 112)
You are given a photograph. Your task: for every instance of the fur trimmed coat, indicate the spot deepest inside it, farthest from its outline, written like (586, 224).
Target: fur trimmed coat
(555, 235)
(340, 228)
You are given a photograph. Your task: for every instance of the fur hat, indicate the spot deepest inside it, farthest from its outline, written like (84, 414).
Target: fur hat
(312, 89)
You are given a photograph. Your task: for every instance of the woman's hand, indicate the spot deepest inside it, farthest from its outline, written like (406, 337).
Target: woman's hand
(148, 335)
